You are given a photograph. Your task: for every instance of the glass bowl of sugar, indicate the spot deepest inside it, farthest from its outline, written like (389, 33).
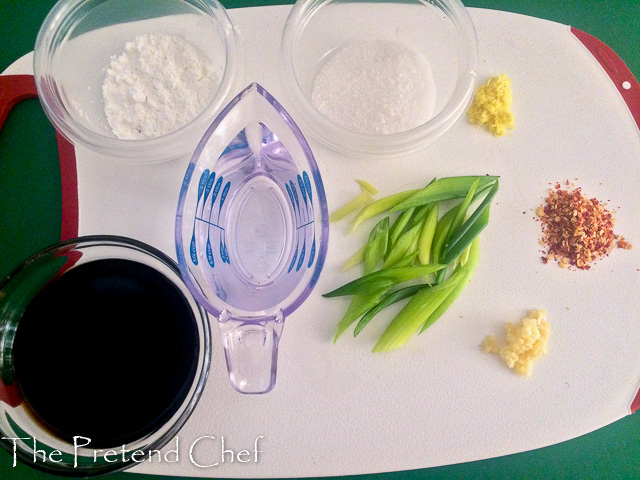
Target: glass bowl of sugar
(138, 81)
(378, 79)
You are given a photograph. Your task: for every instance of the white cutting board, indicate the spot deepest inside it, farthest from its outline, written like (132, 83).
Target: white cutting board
(338, 409)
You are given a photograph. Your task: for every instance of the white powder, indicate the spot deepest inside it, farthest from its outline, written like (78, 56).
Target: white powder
(375, 86)
(157, 85)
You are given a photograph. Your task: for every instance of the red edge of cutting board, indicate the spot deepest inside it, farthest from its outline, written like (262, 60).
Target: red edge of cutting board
(618, 72)
(13, 90)
(628, 88)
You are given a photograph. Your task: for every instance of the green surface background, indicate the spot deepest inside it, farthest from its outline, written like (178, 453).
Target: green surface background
(30, 219)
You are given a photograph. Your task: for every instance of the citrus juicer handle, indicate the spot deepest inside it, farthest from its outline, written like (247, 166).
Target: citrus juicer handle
(251, 350)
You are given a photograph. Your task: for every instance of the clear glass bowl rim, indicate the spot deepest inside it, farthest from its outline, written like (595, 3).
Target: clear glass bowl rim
(189, 403)
(350, 142)
(62, 18)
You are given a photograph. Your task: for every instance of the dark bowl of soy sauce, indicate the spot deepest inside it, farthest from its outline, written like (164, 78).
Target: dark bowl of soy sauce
(101, 348)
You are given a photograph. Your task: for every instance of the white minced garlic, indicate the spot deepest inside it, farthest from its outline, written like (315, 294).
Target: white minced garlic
(524, 343)
(158, 84)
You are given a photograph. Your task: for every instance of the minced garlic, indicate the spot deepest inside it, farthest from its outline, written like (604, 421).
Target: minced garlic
(492, 105)
(524, 342)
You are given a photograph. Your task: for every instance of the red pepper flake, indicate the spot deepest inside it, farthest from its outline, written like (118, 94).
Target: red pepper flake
(576, 230)
(622, 243)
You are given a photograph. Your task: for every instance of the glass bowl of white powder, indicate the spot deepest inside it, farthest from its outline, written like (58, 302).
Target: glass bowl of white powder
(138, 81)
(379, 78)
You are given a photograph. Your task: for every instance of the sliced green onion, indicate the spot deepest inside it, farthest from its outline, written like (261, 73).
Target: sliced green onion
(366, 186)
(397, 229)
(381, 279)
(462, 243)
(365, 198)
(377, 245)
(407, 246)
(442, 231)
(464, 257)
(467, 272)
(388, 299)
(447, 188)
(359, 305)
(414, 314)
(402, 246)
(427, 233)
(464, 206)
(420, 214)
(356, 259)
(463, 236)
(407, 261)
(380, 206)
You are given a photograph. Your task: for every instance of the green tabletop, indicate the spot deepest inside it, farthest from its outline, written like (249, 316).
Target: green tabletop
(30, 220)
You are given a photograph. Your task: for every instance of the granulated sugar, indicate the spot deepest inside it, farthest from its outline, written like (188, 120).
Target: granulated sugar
(156, 85)
(375, 86)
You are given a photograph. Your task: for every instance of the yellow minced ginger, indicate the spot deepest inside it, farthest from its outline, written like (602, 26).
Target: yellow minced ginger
(492, 105)
(524, 343)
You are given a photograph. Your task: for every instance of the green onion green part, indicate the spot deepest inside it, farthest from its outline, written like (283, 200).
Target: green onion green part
(377, 245)
(444, 189)
(382, 279)
(388, 299)
(402, 247)
(397, 229)
(359, 305)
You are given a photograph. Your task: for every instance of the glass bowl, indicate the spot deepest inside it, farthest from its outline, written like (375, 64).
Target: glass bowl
(408, 71)
(76, 44)
(121, 369)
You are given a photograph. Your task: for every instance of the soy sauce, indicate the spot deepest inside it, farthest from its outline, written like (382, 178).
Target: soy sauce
(108, 351)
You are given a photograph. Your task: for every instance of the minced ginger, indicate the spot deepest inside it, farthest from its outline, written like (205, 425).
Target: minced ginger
(492, 105)
(524, 342)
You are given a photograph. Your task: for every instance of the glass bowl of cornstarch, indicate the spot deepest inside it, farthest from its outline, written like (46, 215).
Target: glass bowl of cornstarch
(379, 78)
(136, 81)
